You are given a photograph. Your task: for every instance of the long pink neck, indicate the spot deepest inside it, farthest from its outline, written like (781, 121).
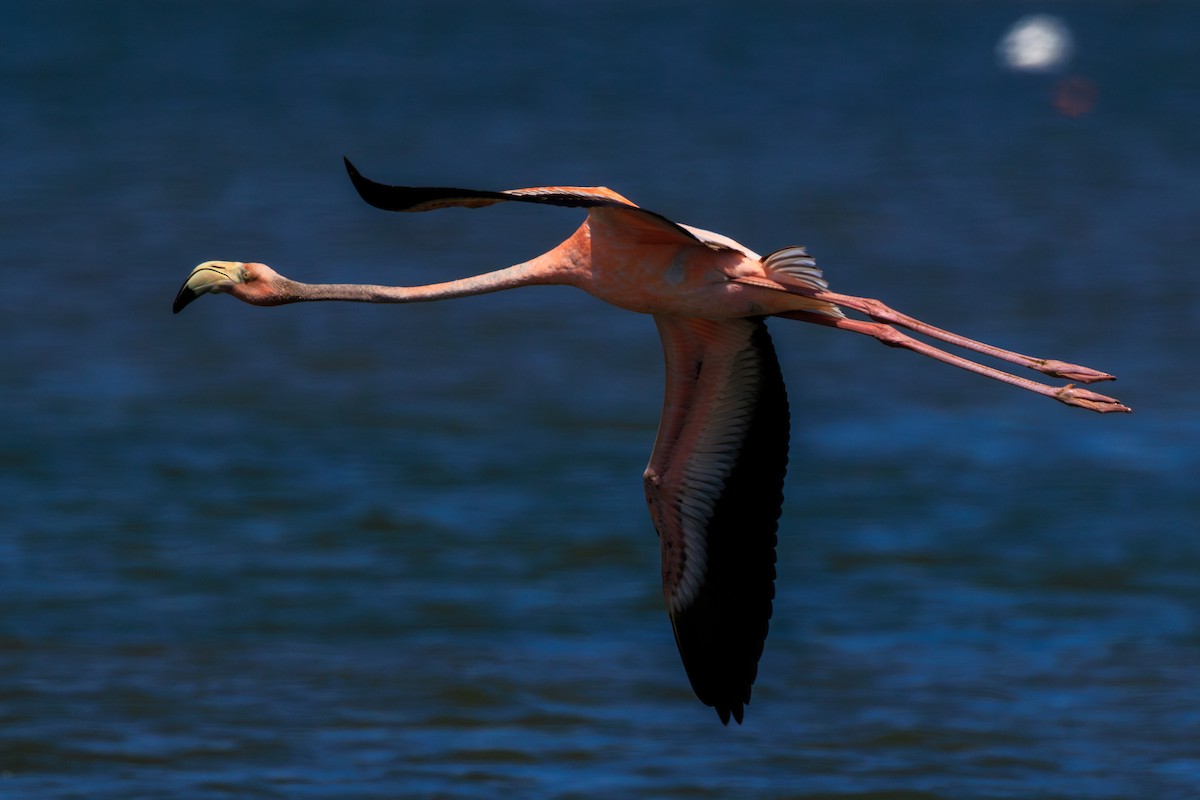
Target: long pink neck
(562, 265)
(509, 278)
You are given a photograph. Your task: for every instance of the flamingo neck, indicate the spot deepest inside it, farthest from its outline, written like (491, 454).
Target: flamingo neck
(563, 265)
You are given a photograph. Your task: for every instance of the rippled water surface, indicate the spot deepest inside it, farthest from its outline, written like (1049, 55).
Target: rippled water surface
(337, 551)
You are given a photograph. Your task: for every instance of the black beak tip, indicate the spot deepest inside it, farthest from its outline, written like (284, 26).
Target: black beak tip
(182, 299)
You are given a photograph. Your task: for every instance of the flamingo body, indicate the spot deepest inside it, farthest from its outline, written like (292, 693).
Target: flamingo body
(714, 482)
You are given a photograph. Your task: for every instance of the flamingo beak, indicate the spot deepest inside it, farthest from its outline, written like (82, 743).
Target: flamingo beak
(211, 276)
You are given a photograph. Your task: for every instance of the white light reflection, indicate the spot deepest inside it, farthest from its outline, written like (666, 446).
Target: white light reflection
(1037, 43)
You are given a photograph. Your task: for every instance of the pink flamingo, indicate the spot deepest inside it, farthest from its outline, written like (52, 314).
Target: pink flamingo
(714, 483)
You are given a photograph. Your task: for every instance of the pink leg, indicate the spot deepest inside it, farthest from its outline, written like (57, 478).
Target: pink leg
(888, 335)
(883, 313)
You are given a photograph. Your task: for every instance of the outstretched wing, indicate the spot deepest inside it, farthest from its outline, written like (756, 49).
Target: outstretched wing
(428, 198)
(715, 490)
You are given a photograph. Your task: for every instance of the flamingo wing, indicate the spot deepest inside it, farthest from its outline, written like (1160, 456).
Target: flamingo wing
(715, 490)
(647, 224)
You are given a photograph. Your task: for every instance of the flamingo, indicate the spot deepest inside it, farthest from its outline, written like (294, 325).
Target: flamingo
(714, 482)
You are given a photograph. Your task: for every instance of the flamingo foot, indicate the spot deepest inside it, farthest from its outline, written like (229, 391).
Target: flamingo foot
(1085, 398)
(1072, 372)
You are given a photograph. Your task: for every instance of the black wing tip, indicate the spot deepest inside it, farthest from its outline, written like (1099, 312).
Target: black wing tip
(367, 189)
(381, 195)
(387, 197)
(736, 710)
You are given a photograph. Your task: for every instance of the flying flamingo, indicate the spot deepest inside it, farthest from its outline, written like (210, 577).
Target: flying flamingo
(714, 483)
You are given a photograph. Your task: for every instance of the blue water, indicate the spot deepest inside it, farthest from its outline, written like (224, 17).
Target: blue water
(342, 551)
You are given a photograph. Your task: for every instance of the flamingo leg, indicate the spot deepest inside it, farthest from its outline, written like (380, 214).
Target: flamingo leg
(1069, 394)
(881, 312)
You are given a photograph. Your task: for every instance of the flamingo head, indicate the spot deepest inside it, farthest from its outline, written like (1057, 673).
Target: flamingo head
(249, 282)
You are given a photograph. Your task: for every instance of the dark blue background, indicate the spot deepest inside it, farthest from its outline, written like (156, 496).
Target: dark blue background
(336, 551)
